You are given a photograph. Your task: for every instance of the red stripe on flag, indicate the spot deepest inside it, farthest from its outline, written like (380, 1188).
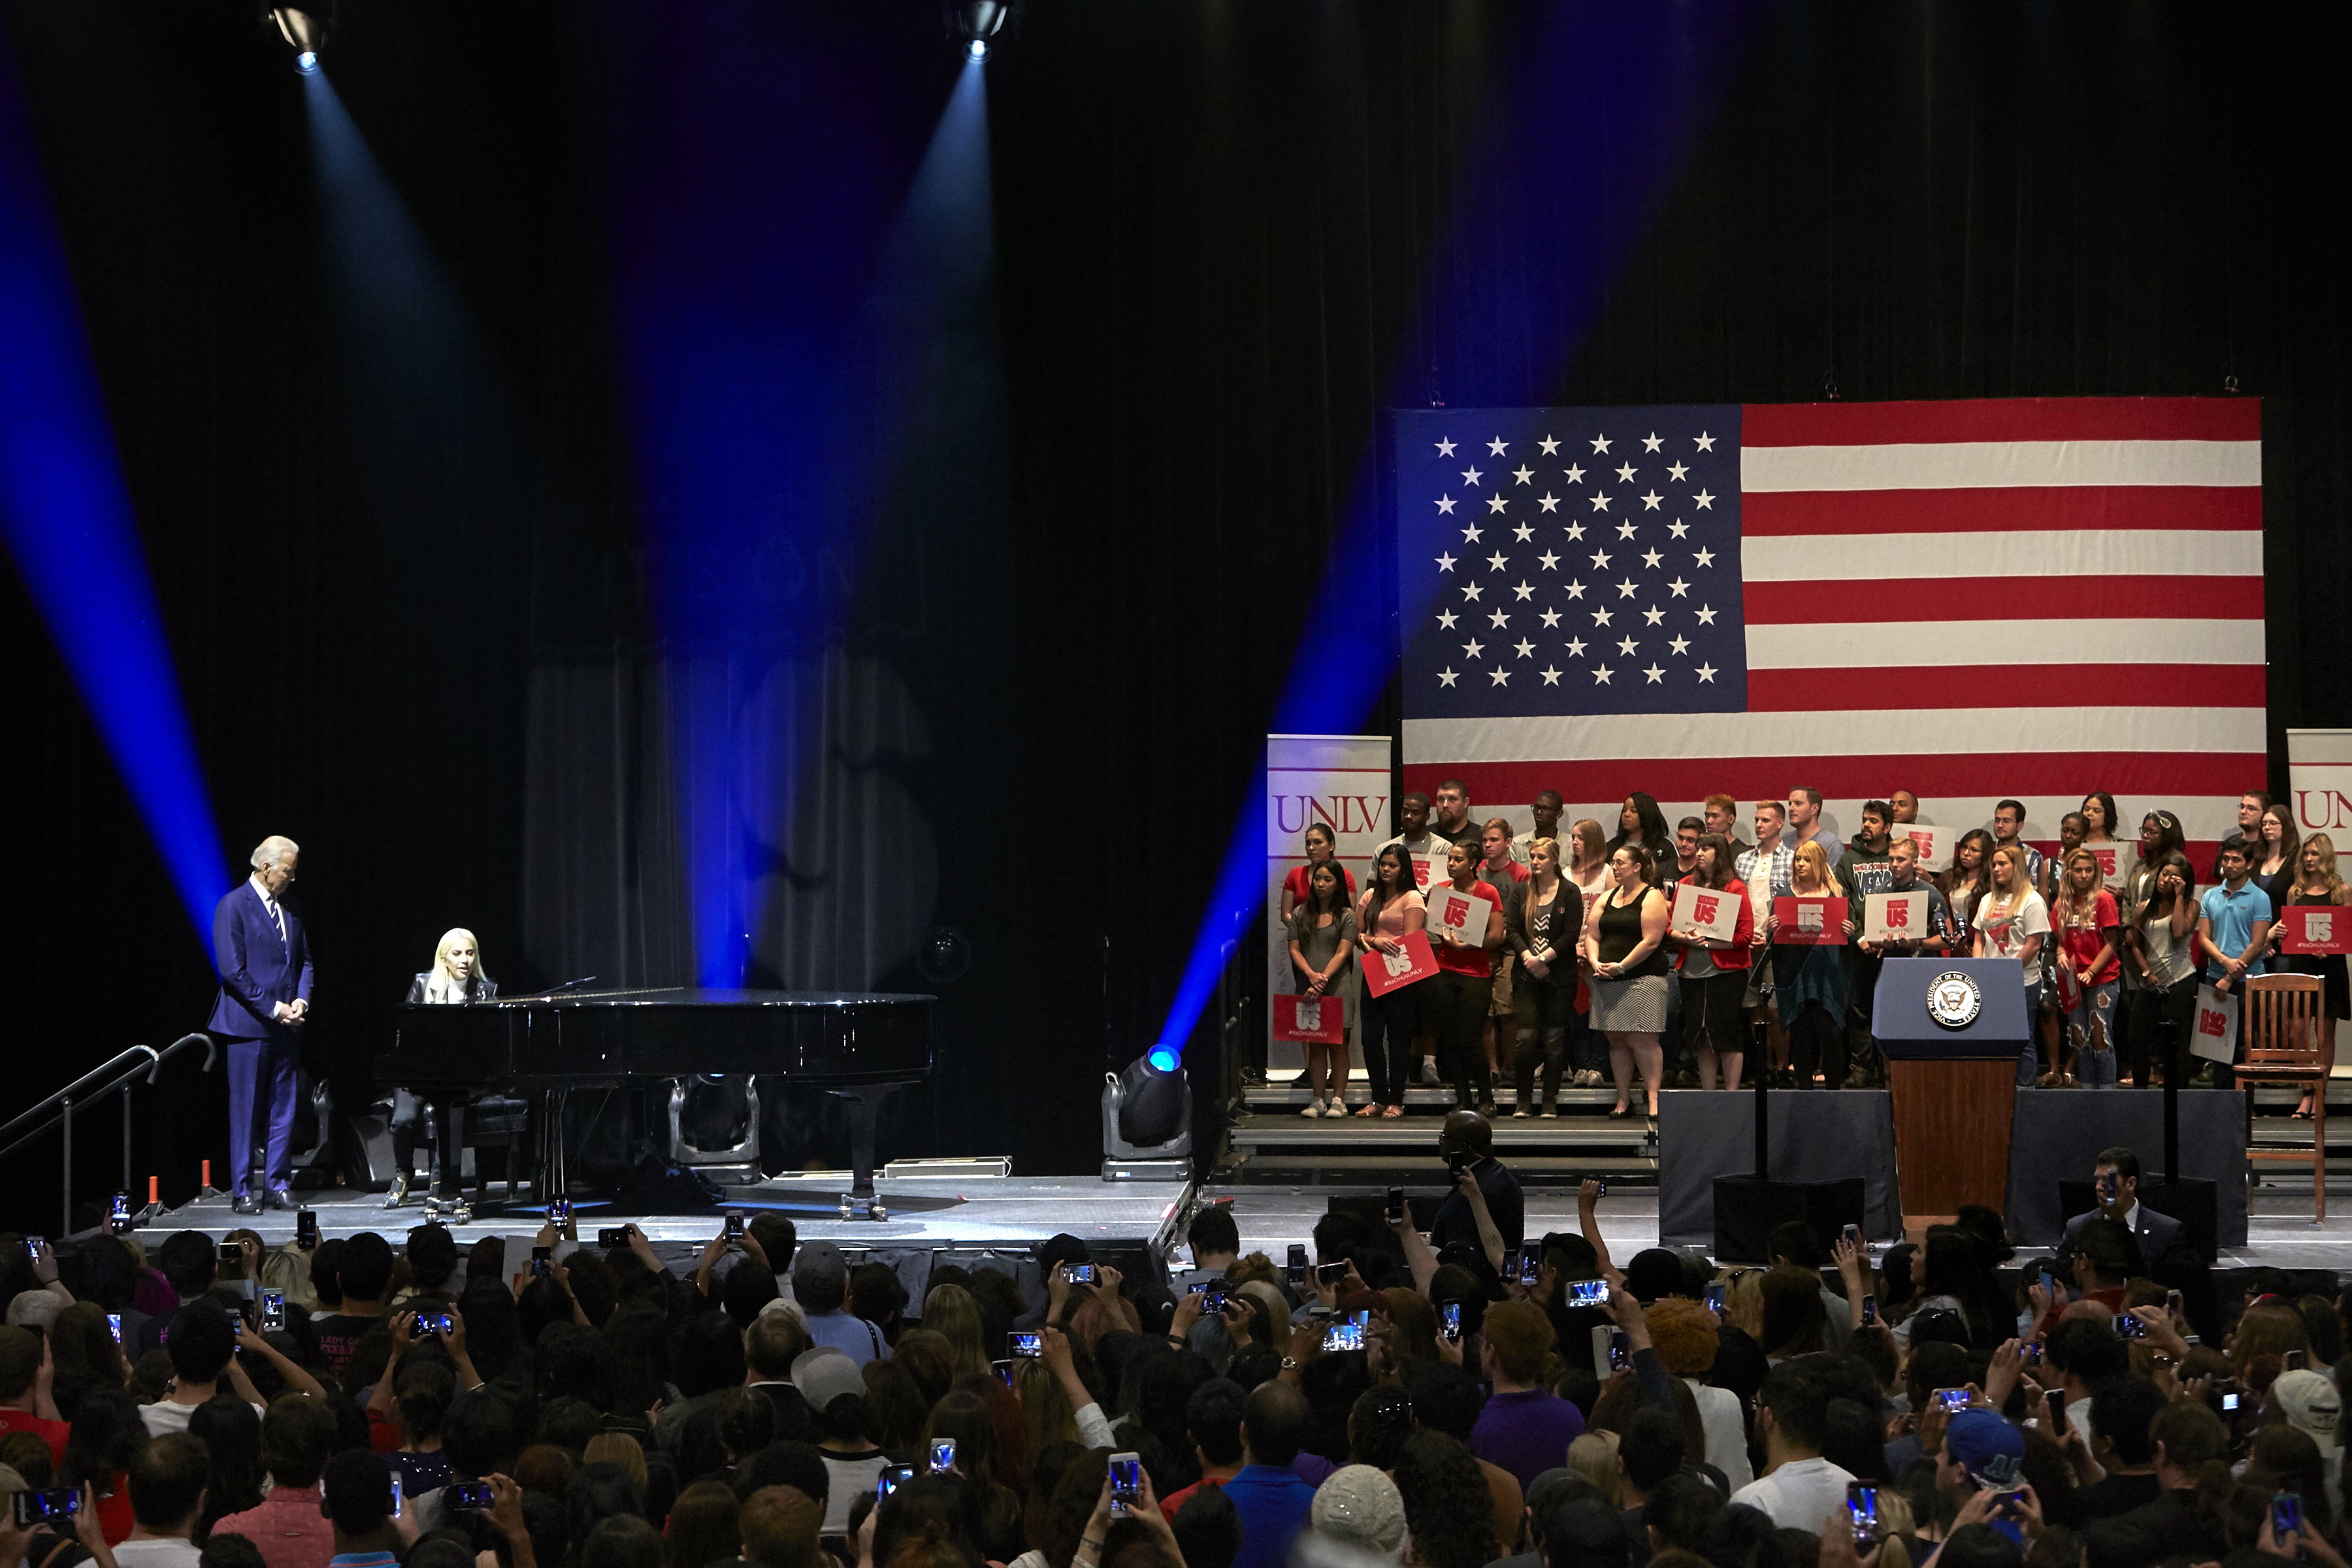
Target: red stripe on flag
(2009, 598)
(2003, 419)
(2142, 776)
(2021, 684)
(2023, 508)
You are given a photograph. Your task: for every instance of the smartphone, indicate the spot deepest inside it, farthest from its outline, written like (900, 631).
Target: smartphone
(467, 1494)
(306, 1229)
(1951, 1399)
(1078, 1273)
(1343, 1336)
(1715, 1300)
(1449, 1321)
(1456, 1162)
(433, 1323)
(734, 1227)
(2058, 1414)
(1862, 1512)
(1298, 1263)
(2296, 1361)
(559, 1211)
(1620, 1350)
(33, 1245)
(1027, 1346)
(1214, 1299)
(892, 1478)
(2286, 1515)
(2049, 1284)
(612, 1238)
(114, 1326)
(232, 1252)
(47, 1505)
(1852, 1233)
(2172, 1300)
(1396, 1204)
(1601, 1187)
(1588, 1292)
(1330, 1273)
(1003, 1369)
(2029, 1354)
(2129, 1328)
(2232, 1397)
(1125, 1483)
(542, 1261)
(942, 1455)
(1531, 1269)
(273, 1311)
(118, 1214)
(1870, 1311)
(2108, 1186)
(395, 1491)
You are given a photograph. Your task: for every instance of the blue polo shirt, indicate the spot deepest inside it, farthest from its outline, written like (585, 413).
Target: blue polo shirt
(2232, 917)
(1274, 1505)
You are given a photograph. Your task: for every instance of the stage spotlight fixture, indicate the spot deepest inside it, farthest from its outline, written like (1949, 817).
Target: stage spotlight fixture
(1147, 1118)
(304, 28)
(976, 24)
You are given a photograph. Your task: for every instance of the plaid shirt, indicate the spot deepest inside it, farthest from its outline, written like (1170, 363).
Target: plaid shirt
(1783, 872)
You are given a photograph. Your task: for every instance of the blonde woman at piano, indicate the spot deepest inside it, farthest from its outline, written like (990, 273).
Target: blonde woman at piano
(456, 975)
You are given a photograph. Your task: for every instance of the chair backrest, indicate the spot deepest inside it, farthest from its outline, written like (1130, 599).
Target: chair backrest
(2283, 1020)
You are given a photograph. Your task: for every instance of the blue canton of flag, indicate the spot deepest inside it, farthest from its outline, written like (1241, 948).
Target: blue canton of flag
(1569, 561)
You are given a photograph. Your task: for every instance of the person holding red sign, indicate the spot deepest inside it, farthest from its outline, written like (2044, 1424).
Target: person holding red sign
(1808, 979)
(2089, 932)
(1501, 871)
(2316, 882)
(1391, 907)
(1545, 920)
(1625, 954)
(1323, 955)
(1465, 979)
(1713, 972)
(2098, 814)
(2163, 934)
(2013, 922)
(1321, 847)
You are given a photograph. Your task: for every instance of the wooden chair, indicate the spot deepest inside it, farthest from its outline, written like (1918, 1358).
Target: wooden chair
(2283, 1047)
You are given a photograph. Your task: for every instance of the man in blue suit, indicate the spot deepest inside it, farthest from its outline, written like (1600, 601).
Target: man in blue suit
(265, 999)
(2115, 1186)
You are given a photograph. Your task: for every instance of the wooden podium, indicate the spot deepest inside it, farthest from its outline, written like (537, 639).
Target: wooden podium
(1953, 1089)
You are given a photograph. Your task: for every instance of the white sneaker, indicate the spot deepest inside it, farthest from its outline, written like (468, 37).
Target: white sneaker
(1335, 1107)
(1314, 1108)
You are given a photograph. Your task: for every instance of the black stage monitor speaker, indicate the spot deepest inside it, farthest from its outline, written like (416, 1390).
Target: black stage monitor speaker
(1746, 1210)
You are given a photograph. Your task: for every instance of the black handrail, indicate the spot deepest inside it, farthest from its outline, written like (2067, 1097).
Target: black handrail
(67, 1101)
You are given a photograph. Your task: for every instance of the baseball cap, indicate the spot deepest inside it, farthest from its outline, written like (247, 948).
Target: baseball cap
(1988, 1446)
(824, 1375)
(35, 1308)
(820, 1262)
(1060, 1248)
(2310, 1404)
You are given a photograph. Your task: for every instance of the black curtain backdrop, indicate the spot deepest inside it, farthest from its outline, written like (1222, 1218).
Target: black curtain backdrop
(1215, 225)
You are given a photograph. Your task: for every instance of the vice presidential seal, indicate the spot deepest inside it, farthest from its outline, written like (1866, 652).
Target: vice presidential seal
(1954, 999)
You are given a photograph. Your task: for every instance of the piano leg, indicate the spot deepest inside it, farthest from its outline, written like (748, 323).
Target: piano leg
(865, 1100)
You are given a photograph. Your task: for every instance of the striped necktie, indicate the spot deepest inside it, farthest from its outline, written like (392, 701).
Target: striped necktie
(275, 920)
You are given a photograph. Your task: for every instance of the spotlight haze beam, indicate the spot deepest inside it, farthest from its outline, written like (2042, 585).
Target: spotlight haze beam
(1651, 72)
(66, 513)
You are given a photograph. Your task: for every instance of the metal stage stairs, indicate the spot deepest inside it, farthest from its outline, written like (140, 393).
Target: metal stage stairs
(1273, 1144)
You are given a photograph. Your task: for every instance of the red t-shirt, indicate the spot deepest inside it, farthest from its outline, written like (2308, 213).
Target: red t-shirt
(53, 1433)
(2080, 943)
(1473, 959)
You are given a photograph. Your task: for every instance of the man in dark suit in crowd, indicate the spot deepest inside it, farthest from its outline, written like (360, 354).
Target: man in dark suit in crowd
(265, 999)
(2115, 1180)
(1468, 1135)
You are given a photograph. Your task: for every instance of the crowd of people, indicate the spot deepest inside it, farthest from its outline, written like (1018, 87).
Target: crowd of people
(1452, 1398)
(1581, 972)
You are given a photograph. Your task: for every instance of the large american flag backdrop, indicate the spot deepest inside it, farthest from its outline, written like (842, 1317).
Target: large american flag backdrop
(2032, 598)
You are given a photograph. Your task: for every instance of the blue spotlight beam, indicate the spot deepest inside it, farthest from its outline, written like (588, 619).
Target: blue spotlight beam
(1613, 93)
(66, 513)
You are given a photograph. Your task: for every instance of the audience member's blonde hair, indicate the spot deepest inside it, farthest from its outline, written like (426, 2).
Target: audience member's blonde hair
(1045, 1411)
(1743, 1302)
(1593, 1455)
(1816, 860)
(950, 1311)
(1256, 1266)
(618, 1449)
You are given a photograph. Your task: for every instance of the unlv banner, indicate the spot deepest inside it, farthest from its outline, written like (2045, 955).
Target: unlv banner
(2319, 782)
(1339, 782)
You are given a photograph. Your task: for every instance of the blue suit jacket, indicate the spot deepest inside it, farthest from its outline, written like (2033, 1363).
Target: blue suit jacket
(255, 972)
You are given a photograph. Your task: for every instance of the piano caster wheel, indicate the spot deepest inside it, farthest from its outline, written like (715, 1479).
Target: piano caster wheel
(877, 1210)
(847, 1210)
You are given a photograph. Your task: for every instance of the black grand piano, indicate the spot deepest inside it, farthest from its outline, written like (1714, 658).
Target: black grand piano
(860, 1045)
